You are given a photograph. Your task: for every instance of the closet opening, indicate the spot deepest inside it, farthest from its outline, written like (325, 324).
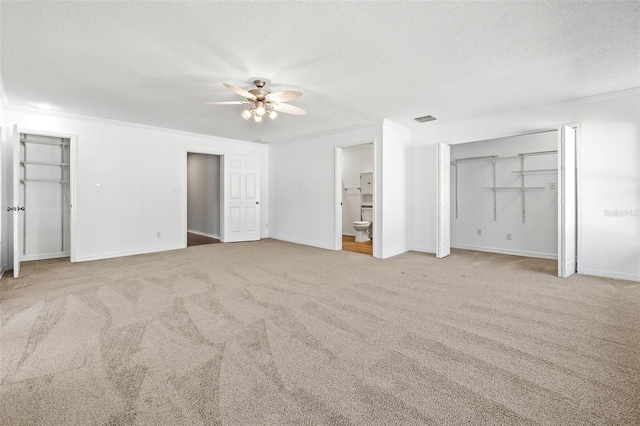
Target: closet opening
(203, 199)
(512, 195)
(45, 197)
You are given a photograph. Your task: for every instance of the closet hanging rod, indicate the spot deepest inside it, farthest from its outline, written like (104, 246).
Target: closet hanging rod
(532, 171)
(346, 189)
(499, 158)
(484, 157)
(527, 154)
(23, 141)
(44, 180)
(526, 188)
(44, 163)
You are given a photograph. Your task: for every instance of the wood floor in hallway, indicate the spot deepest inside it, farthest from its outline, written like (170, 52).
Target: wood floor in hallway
(349, 244)
(198, 240)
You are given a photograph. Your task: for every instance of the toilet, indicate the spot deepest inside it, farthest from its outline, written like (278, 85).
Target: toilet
(363, 227)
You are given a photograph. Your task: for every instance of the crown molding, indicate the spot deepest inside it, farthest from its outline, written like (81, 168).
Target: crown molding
(73, 116)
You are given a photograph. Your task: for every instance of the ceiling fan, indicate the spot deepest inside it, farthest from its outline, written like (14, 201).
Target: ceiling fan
(262, 102)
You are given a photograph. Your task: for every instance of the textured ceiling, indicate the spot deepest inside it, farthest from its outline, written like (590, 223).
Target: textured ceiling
(356, 62)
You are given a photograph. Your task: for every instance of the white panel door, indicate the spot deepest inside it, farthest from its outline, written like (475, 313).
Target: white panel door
(443, 244)
(241, 198)
(566, 201)
(16, 208)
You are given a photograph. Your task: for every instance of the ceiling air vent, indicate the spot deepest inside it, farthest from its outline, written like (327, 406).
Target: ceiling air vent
(425, 118)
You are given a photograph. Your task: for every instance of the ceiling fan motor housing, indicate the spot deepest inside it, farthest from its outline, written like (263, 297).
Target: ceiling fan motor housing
(259, 93)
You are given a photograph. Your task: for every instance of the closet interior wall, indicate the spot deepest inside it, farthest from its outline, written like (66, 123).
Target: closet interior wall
(45, 194)
(504, 195)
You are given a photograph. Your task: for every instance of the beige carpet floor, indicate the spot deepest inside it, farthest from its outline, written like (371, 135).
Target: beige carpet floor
(276, 333)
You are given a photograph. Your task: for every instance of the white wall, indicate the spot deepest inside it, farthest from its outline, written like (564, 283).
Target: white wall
(538, 235)
(608, 174)
(142, 173)
(303, 189)
(203, 194)
(395, 198)
(356, 160)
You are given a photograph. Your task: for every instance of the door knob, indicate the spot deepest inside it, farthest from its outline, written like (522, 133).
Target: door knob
(257, 202)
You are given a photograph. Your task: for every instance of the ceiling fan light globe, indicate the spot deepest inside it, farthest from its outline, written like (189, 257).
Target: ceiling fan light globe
(257, 118)
(260, 110)
(246, 114)
(272, 114)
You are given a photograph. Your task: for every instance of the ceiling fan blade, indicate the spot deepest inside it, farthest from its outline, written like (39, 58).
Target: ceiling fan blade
(228, 103)
(240, 91)
(289, 109)
(284, 96)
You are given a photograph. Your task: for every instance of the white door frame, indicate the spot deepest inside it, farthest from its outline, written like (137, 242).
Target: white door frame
(376, 197)
(577, 127)
(185, 181)
(73, 175)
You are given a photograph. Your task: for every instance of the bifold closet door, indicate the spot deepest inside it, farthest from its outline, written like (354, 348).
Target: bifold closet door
(567, 237)
(16, 198)
(443, 244)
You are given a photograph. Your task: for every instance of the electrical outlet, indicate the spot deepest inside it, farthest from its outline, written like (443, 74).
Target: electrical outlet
(508, 236)
(97, 187)
(478, 231)
(159, 235)
(552, 185)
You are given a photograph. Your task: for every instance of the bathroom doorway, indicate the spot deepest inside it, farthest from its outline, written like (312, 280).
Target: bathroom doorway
(203, 199)
(355, 169)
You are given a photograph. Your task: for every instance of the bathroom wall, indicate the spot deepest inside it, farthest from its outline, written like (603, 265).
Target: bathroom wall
(355, 160)
(538, 235)
(203, 194)
(303, 189)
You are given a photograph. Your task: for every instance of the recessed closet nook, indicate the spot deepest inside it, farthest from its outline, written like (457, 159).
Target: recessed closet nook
(44, 192)
(504, 195)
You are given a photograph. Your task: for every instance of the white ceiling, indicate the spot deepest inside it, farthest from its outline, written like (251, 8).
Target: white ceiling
(356, 62)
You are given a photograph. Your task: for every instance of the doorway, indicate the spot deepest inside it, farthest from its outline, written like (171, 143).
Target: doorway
(203, 199)
(355, 167)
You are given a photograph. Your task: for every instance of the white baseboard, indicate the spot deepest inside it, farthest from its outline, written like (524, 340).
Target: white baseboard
(204, 234)
(611, 274)
(393, 253)
(506, 251)
(304, 243)
(44, 256)
(126, 253)
(423, 249)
